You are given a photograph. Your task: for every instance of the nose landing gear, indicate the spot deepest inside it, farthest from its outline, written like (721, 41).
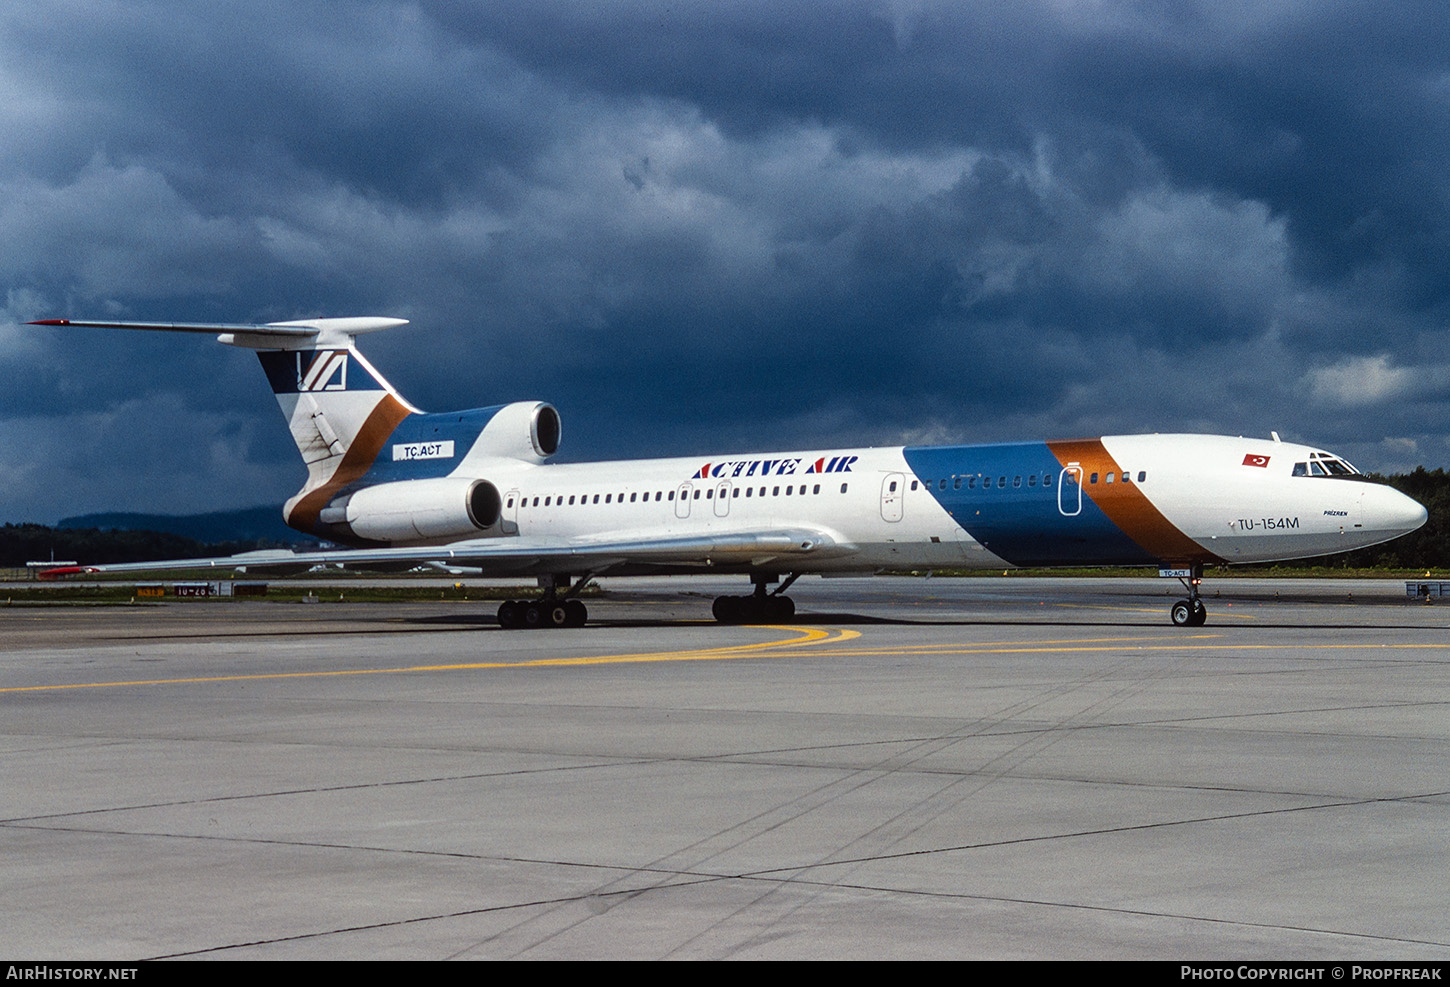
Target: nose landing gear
(1190, 612)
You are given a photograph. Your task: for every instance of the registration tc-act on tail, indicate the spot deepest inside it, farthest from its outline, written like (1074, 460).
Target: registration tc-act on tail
(402, 488)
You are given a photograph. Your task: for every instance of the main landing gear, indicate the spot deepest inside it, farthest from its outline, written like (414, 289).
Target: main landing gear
(759, 606)
(1190, 612)
(551, 611)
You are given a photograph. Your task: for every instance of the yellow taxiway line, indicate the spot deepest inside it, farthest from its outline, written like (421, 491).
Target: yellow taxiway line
(805, 637)
(813, 638)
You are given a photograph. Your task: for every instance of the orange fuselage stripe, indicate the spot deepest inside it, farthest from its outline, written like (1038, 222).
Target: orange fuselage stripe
(1126, 505)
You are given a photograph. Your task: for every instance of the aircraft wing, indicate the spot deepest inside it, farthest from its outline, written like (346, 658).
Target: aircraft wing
(531, 556)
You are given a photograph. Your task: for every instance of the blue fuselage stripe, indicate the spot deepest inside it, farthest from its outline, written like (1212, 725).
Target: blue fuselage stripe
(1011, 498)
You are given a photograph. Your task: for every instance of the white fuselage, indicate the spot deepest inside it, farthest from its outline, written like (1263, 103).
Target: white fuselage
(1187, 499)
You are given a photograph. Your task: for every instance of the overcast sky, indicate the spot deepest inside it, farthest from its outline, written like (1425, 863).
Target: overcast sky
(708, 227)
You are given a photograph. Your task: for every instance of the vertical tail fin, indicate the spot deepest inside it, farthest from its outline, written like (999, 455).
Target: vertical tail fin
(341, 412)
(329, 395)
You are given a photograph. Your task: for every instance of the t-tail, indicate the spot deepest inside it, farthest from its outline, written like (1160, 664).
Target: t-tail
(379, 470)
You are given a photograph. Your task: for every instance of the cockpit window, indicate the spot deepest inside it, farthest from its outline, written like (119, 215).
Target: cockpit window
(1323, 464)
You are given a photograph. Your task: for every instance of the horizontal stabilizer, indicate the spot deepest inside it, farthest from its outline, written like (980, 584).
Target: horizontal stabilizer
(271, 335)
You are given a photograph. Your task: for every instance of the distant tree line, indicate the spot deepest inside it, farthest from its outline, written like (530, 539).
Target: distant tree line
(1428, 548)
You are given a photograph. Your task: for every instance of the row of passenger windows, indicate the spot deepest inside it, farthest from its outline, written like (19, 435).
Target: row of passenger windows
(1032, 480)
(1126, 475)
(790, 490)
(974, 482)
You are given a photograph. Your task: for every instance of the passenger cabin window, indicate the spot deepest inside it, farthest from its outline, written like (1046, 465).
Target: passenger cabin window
(1142, 475)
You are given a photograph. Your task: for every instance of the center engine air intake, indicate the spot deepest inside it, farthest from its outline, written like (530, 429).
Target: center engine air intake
(527, 430)
(441, 509)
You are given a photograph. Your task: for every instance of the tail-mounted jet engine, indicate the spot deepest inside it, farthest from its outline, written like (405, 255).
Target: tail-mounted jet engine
(443, 509)
(527, 430)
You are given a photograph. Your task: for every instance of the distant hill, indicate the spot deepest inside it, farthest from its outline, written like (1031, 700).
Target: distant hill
(249, 524)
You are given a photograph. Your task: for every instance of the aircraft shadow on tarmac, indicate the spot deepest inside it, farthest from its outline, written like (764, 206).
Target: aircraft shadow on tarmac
(486, 621)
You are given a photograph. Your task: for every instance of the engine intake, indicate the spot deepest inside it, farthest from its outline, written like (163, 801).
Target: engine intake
(527, 430)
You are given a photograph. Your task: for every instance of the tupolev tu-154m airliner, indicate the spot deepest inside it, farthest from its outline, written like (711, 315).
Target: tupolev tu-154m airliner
(405, 488)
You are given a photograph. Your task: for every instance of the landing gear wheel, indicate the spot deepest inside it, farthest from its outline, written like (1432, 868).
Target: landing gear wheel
(533, 615)
(752, 609)
(726, 609)
(516, 614)
(1188, 613)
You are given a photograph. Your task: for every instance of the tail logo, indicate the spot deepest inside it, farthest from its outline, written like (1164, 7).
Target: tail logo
(326, 371)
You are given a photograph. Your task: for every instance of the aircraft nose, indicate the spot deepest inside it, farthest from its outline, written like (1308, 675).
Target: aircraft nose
(1388, 510)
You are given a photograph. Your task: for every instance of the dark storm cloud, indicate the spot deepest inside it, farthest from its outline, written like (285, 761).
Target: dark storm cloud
(706, 227)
